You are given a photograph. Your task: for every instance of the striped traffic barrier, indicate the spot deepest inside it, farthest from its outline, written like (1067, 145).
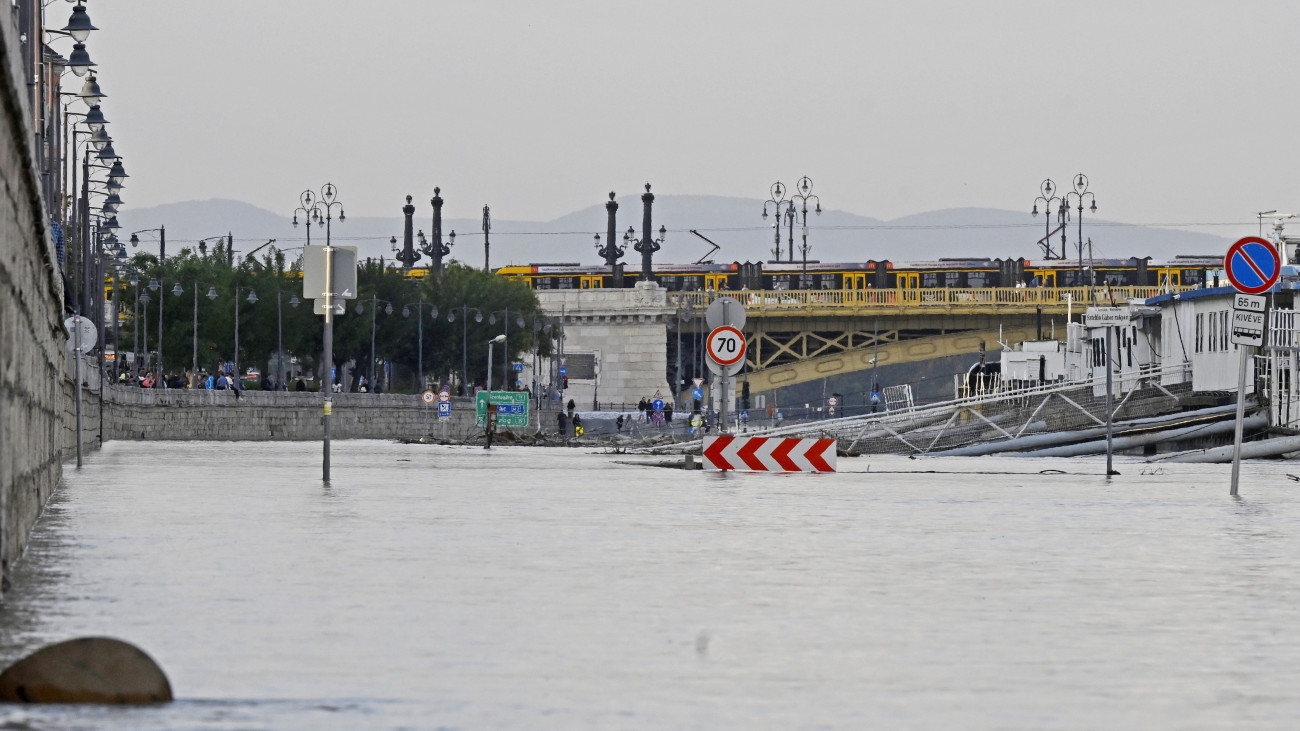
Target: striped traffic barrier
(769, 454)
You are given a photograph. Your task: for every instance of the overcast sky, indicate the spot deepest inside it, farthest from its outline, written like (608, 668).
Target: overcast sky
(1179, 112)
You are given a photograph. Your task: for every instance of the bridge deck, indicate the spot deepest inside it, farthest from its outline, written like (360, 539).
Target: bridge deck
(782, 303)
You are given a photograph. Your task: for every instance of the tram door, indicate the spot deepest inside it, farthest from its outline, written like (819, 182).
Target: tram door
(910, 284)
(592, 283)
(1169, 279)
(857, 285)
(714, 282)
(1047, 278)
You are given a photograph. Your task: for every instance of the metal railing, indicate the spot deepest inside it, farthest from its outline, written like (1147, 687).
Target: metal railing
(1283, 328)
(851, 429)
(760, 301)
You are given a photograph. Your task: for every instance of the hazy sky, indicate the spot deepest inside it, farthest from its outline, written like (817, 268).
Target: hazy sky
(1179, 112)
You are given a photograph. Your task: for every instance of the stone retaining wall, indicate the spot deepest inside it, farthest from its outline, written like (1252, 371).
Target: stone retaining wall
(31, 308)
(152, 414)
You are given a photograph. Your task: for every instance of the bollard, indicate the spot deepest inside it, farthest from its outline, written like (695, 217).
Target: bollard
(86, 670)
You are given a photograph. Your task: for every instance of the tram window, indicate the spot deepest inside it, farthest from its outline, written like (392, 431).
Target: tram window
(565, 282)
(806, 281)
(929, 280)
(828, 281)
(780, 281)
(1191, 276)
(1116, 279)
(543, 283)
(952, 280)
(976, 280)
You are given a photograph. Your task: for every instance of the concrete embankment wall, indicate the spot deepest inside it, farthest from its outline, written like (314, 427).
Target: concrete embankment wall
(152, 414)
(32, 381)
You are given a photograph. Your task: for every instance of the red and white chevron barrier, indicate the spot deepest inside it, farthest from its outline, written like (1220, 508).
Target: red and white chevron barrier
(769, 454)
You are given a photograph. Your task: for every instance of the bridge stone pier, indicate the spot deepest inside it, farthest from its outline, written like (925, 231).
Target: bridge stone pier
(614, 341)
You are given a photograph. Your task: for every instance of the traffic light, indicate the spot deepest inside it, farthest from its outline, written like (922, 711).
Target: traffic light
(744, 395)
(565, 387)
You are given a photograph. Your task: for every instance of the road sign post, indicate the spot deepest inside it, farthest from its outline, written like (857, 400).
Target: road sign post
(1109, 318)
(1253, 266)
(512, 408)
(329, 274)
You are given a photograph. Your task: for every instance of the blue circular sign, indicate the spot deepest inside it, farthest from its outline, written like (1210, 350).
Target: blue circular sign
(1252, 265)
(697, 393)
(657, 404)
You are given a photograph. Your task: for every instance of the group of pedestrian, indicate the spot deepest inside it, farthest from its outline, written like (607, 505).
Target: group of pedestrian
(570, 420)
(648, 414)
(151, 380)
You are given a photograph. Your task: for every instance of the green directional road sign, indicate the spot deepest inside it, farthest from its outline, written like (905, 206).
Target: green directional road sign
(512, 407)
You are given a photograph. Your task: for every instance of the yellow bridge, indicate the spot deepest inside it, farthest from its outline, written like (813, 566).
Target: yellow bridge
(840, 302)
(796, 336)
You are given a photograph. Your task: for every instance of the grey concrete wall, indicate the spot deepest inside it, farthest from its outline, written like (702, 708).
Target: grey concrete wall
(32, 383)
(152, 414)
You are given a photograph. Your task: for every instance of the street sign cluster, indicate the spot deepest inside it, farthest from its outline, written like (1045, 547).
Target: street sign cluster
(512, 408)
(1253, 266)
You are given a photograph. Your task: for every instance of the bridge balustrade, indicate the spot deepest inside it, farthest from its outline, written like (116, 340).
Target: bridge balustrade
(775, 301)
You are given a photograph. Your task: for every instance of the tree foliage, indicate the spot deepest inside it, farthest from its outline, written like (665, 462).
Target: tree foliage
(452, 338)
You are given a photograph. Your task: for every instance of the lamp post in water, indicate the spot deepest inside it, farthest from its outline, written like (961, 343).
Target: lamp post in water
(314, 209)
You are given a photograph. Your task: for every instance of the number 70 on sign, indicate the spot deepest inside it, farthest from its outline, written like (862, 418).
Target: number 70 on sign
(726, 346)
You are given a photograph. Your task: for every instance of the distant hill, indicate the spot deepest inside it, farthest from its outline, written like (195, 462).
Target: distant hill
(735, 224)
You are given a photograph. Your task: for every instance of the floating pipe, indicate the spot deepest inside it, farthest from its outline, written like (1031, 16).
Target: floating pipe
(1053, 439)
(1249, 450)
(1224, 426)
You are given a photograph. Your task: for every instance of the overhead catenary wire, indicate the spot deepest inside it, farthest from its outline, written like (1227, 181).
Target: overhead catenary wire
(853, 227)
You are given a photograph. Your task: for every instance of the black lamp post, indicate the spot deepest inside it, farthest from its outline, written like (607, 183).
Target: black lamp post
(374, 310)
(464, 342)
(436, 249)
(487, 226)
(279, 333)
(778, 202)
(804, 194)
(1080, 193)
(162, 240)
(408, 255)
(611, 252)
(419, 319)
(1049, 199)
(647, 245)
(310, 210)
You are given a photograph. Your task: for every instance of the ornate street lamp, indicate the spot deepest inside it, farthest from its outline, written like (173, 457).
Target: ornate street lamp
(1080, 193)
(647, 245)
(804, 194)
(436, 249)
(1049, 198)
(777, 201)
(612, 252)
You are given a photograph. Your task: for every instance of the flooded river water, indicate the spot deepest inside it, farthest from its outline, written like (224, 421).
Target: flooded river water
(442, 587)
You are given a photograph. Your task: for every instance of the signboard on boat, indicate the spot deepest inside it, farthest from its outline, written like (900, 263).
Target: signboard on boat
(1106, 317)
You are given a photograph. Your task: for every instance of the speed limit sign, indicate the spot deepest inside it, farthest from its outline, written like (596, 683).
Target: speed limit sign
(726, 346)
